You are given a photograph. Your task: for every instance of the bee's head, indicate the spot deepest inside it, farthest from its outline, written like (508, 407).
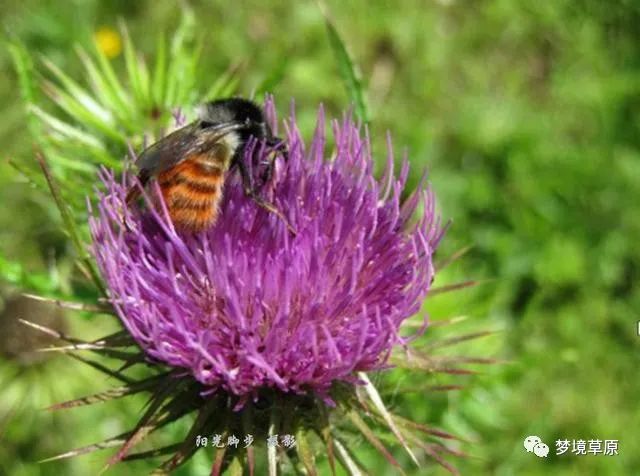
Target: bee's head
(245, 115)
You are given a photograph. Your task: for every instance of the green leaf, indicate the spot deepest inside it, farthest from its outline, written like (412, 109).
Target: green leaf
(449, 341)
(110, 95)
(158, 88)
(98, 155)
(112, 83)
(113, 393)
(102, 368)
(454, 287)
(188, 448)
(218, 460)
(79, 93)
(324, 431)
(347, 69)
(137, 72)
(165, 450)
(69, 169)
(24, 68)
(65, 129)
(72, 305)
(305, 452)
(379, 405)
(440, 265)
(248, 428)
(109, 443)
(184, 63)
(69, 223)
(348, 463)
(272, 456)
(174, 411)
(149, 421)
(373, 439)
(71, 104)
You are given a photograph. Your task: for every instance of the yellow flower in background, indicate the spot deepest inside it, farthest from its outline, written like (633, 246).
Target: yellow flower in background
(108, 41)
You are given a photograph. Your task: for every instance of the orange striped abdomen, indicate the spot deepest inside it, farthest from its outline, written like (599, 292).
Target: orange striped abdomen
(192, 191)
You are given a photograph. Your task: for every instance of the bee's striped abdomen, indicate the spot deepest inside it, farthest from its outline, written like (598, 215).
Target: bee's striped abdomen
(192, 191)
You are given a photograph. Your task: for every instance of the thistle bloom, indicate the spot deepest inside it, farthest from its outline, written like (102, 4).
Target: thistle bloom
(246, 304)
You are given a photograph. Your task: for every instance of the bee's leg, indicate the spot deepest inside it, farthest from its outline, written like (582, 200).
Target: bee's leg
(278, 146)
(249, 190)
(135, 189)
(267, 174)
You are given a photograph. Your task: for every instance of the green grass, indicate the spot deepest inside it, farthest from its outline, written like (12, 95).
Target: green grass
(527, 117)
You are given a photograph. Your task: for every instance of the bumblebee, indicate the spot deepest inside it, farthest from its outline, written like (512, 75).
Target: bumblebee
(191, 163)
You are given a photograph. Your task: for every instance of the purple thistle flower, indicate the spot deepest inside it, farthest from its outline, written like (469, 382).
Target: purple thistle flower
(247, 305)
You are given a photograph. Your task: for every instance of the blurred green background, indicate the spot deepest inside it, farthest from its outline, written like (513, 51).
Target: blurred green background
(527, 115)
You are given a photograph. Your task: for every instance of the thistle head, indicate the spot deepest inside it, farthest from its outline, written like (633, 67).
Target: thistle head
(244, 305)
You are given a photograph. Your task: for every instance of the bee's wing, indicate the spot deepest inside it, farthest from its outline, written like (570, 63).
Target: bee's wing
(163, 155)
(168, 151)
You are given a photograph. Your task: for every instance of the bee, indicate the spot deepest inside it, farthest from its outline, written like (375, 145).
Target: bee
(191, 163)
